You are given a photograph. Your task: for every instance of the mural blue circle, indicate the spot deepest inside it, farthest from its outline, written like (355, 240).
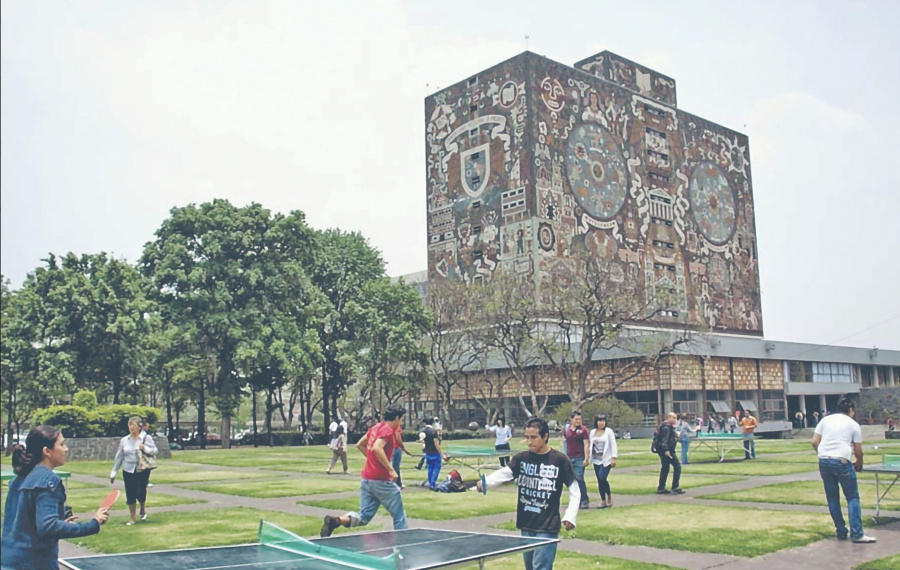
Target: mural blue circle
(712, 203)
(597, 171)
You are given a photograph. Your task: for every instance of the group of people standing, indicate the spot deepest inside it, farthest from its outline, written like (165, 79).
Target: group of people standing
(594, 447)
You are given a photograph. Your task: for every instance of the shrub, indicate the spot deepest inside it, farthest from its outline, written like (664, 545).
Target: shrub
(112, 420)
(86, 399)
(619, 413)
(73, 421)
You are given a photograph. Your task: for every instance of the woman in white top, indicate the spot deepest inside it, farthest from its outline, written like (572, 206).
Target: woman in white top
(127, 458)
(603, 455)
(338, 447)
(502, 434)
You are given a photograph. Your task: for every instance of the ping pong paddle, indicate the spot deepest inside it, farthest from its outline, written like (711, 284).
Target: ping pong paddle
(110, 499)
(483, 484)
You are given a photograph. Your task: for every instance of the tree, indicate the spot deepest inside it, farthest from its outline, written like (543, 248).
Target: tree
(450, 342)
(596, 309)
(345, 263)
(217, 268)
(509, 326)
(618, 413)
(392, 321)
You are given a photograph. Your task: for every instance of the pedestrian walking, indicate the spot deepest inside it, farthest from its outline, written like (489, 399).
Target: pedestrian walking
(664, 443)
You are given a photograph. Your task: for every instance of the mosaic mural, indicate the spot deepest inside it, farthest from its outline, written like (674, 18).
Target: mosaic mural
(532, 162)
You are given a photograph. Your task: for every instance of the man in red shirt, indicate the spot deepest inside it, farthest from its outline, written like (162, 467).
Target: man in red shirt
(377, 486)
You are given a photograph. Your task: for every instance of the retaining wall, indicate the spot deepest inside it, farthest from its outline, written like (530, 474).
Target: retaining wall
(104, 448)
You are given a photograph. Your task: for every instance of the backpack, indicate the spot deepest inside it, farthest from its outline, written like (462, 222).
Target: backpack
(335, 444)
(655, 443)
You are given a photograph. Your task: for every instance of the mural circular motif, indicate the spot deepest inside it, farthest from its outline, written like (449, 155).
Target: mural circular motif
(712, 203)
(546, 237)
(597, 171)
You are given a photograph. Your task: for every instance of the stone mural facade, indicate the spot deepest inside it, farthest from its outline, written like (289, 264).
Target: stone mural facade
(532, 163)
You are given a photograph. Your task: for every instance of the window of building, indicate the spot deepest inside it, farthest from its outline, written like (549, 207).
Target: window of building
(831, 372)
(476, 204)
(645, 401)
(476, 229)
(685, 402)
(657, 177)
(800, 371)
(773, 406)
(473, 108)
(746, 400)
(472, 81)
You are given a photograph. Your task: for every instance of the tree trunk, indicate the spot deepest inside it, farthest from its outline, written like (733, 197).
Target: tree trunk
(11, 386)
(255, 430)
(326, 410)
(269, 417)
(169, 412)
(226, 431)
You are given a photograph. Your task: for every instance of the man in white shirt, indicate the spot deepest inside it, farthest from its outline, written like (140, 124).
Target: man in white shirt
(836, 436)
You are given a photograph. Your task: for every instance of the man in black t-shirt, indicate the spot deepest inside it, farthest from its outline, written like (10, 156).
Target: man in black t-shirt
(540, 474)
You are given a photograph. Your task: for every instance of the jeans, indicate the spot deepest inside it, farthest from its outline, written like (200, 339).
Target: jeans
(602, 473)
(685, 444)
(374, 493)
(666, 462)
(578, 466)
(434, 468)
(749, 446)
(540, 558)
(835, 473)
(396, 456)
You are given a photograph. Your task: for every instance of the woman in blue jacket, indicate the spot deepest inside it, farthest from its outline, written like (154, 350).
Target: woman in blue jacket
(34, 518)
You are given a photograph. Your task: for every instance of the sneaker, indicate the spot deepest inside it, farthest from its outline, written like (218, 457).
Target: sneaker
(678, 491)
(149, 485)
(865, 539)
(130, 523)
(144, 517)
(843, 536)
(328, 472)
(585, 506)
(329, 525)
(663, 492)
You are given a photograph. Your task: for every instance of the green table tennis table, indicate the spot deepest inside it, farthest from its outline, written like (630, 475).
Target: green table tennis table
(721, 443)
(889, 468)
(477, 459)
(415, 549)
(9, 475)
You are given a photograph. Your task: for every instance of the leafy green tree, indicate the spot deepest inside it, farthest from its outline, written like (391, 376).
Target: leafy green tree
(619, 414)
(218, 269)
(392, 322)
(344, 264)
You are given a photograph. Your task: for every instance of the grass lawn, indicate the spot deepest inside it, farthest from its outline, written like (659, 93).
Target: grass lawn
(213, 527)
(286, 487)
(804, 493)
(438, 506)
(746, 468)
(697, 528)
(87, 501)
(645, 483)
(889, 563)
(571, 561)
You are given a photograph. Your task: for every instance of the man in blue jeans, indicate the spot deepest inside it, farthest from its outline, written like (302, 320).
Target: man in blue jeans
(378, 485)
(835, 437)
(578, 449)
(540, 474)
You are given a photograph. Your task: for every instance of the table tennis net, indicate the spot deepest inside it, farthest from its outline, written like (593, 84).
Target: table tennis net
(280, 539)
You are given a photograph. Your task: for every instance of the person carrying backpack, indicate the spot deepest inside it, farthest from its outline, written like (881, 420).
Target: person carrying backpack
(664, 445)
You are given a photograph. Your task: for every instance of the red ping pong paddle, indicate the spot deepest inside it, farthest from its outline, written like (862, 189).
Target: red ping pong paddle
(110, 499)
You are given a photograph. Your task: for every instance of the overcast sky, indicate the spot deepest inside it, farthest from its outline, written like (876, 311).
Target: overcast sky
(114, 112)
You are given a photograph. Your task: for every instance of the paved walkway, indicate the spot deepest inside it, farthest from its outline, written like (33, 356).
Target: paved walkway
(830, 553)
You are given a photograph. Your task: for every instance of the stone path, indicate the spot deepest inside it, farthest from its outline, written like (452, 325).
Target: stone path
(830, 553)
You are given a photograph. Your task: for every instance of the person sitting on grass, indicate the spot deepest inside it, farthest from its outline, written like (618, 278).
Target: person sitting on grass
(377, 486)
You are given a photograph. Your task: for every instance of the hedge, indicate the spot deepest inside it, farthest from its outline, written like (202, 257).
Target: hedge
(104, 421)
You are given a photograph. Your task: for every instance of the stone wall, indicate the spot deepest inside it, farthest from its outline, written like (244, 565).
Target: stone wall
(104, 448)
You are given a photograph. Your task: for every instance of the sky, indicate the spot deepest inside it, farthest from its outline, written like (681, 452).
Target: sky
(115, 112)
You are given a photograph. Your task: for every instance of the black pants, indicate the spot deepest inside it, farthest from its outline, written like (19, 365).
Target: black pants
(136, 486)
(504, 459)
(666, 461)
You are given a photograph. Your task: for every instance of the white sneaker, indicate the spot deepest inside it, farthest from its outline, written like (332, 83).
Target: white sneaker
(865, 539)
(144, 517)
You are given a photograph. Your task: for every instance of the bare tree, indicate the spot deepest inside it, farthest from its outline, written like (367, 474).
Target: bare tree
(598, 309)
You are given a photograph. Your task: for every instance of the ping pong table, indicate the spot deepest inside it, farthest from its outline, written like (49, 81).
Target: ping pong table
(414, 549)
(481, 458)
(889, 468)
(720, 443)
(9, 475)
